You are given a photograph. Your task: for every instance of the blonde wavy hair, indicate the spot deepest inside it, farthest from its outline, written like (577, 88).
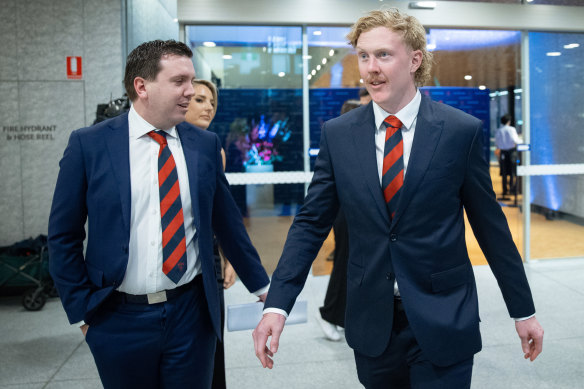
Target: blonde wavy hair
(412, 31)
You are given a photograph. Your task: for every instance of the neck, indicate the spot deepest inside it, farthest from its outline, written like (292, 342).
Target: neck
(141, 109)
(394, 107)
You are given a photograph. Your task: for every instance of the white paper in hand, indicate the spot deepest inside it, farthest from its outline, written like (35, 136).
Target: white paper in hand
(247, 316)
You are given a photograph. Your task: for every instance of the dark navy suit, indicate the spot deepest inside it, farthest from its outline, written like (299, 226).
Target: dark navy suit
(94, 185)
(423, 247)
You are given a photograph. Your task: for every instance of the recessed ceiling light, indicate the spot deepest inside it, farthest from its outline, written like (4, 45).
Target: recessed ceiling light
(468, 77)
(281, 74)
(209, 44)
(318, 67)
(331, 52)
(324, 61)
(307, 57)
(361, 80)
(227, 56)
(313, 72)
(482, 87)
(309, 76)
(317, 32)
(571, 46)
(553, 54)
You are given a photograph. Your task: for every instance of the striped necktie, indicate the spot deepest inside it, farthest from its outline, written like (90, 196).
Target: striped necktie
(174, 256)
(393, 163)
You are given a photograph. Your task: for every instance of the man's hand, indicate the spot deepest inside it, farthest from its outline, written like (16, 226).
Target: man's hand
(228, 275)
(84, 329)
(272, 325)
(531, 335)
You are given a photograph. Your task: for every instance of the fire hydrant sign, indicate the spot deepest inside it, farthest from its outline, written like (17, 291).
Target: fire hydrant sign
(74, 68)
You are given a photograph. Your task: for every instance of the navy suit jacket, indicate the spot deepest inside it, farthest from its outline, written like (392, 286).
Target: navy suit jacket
(94, 185)
(423, 247)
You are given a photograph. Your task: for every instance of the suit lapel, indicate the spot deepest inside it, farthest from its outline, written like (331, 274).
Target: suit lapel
(188, 138)
(427, 135)
(118, 145)
(363, 131)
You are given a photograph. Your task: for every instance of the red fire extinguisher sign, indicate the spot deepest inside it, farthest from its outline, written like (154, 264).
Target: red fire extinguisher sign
(74, 68)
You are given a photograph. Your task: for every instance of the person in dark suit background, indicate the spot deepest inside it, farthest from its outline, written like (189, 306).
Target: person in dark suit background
(412, 308)
(153, 192)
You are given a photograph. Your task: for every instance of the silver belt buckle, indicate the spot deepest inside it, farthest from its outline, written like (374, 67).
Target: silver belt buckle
(158, 297)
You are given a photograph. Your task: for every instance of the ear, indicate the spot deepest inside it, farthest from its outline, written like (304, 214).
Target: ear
(140, 87)
(416, 60)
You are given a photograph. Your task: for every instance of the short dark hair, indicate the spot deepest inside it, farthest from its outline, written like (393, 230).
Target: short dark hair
(363, 92)
(144, 61)
(505, 119)
(349, 105)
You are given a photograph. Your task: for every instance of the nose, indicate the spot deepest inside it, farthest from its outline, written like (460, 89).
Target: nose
(373, 65)
(190, 90)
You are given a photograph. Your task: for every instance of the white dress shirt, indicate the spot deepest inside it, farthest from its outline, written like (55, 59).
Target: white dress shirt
(144, 272)
(408, 116)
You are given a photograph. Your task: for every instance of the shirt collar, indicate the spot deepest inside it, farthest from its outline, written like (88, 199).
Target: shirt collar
(140, 127)
(407, 115)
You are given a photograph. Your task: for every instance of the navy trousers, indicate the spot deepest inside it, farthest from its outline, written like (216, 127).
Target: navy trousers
(165, 345)
(402, 365)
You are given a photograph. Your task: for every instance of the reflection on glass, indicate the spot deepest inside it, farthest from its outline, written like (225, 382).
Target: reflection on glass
(557, 120)
(259, 72)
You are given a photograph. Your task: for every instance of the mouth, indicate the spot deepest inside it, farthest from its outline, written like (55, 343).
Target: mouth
(184, 106)
(375, 83)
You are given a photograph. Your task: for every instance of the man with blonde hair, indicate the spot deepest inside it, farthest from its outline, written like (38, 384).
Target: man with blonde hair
(404, 169)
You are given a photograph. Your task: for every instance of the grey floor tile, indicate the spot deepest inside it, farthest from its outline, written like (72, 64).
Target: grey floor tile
(39, 385)
(79, 366)
(86, 383)
(321, 374)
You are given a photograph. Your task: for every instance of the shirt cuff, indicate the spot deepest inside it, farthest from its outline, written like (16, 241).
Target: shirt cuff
(261, 291)
(78, 324)
(276, 310)
(524, 318)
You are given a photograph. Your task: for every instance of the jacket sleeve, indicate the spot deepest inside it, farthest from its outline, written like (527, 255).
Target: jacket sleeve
(233, 238)
(67, 232)
(308, 231)
(492, 232)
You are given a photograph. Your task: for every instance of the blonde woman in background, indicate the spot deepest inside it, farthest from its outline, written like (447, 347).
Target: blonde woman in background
(201, 112)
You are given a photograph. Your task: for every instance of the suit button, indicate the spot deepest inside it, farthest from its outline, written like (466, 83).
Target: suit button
(393, 237)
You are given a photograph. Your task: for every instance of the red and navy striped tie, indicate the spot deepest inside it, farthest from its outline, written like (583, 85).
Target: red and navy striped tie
(393, 163)
(174, 249)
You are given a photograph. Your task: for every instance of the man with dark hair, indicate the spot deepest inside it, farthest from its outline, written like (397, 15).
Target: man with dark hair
(404, 169)
(506, 141)
(153, 192)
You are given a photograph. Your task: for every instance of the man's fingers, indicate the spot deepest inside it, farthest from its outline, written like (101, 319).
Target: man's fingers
(275, 342)
(260, 346)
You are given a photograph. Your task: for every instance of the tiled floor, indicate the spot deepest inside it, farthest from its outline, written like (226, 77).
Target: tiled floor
(40, 349)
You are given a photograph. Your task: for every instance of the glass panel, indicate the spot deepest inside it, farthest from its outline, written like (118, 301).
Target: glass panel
(557, 119)
(259, 74)
(258, 71)
(333, 78)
